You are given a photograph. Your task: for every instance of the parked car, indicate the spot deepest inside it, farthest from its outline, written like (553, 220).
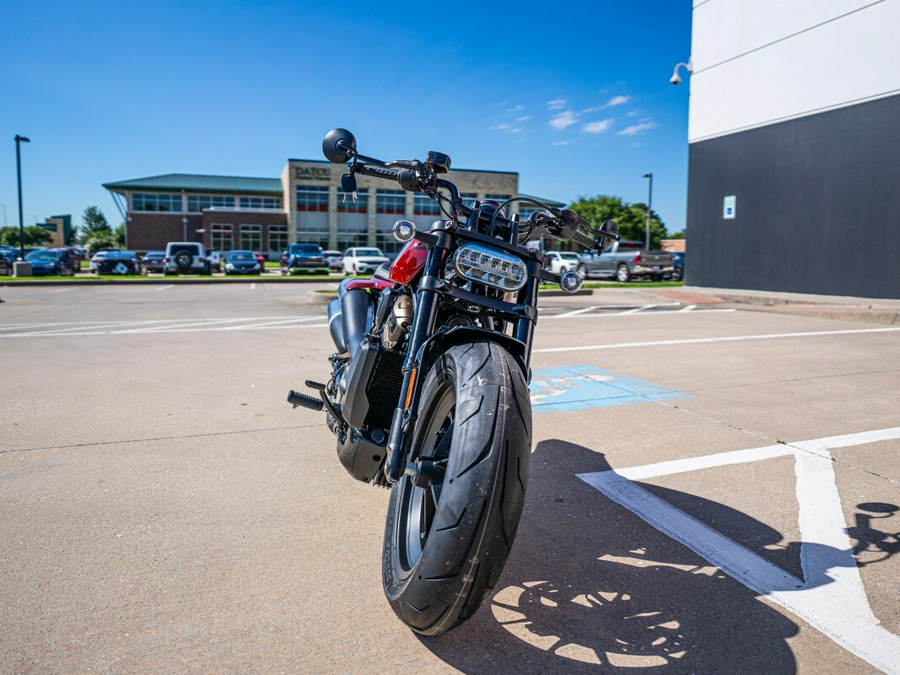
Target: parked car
(626, 260)
(46, 261)
(561, 261)
(215, 261)
(186, 257)
(303, 258)
(7, 258)
(677, 265)
(335, 260)
(241, 262)
(118, 262)
(153, 261)
(362, 260)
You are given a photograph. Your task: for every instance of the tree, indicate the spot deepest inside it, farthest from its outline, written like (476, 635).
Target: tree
(631, 218)
(34, 235)
(95, 231)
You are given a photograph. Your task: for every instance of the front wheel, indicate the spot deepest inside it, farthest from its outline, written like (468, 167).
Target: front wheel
(623, 274)
(446, 541)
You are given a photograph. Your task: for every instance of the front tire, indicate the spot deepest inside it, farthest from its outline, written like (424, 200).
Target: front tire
(445, 544)
(623, 274)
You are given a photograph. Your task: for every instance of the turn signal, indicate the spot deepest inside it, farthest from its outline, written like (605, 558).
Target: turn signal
(404, 230)
(570, 282)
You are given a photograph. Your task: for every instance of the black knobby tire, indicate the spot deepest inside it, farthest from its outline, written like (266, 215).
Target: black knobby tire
(445, 545)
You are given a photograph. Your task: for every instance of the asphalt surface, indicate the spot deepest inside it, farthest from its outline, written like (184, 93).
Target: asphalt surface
(715, 487)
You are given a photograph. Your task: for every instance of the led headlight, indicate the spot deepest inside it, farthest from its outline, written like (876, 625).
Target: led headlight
(490, 266)
(404, 230)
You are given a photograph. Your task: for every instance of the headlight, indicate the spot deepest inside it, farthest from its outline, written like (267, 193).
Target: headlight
(490, 266)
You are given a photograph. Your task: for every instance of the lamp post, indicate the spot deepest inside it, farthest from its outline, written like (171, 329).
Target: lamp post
(4, 214)
(19, 140)
(649, 207)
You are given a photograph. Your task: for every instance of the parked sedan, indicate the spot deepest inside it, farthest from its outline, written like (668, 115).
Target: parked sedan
(46, 261)
(241, 262)
(117, 262)
(335, 260)
(7, 258)
(153, 261)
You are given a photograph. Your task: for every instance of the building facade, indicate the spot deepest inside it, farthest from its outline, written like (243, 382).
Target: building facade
(794, 146)
(305, 205)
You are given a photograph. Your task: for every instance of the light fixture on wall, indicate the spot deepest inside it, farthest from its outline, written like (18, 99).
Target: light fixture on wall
(676, 78)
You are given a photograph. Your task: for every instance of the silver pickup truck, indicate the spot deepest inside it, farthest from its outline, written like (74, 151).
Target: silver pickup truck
(625, 260)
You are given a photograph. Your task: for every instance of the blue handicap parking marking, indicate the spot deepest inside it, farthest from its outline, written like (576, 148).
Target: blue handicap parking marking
(579, 387)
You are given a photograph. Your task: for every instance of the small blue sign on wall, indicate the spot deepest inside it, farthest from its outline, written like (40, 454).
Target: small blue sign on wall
(568, 388)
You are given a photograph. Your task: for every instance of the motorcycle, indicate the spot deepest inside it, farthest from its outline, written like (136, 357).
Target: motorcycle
(428, 392)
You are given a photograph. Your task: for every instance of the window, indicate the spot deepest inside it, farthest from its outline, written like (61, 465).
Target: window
(222, 236)
(312, 198)
(141, 201)
(278, 237)
(390, 201)
(260, 202)
(197, 203)
(347, 205)
(498, 198)
(423, 205)
(251, 237)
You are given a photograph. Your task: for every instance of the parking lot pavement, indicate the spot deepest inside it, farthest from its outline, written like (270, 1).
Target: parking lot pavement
(710, 491)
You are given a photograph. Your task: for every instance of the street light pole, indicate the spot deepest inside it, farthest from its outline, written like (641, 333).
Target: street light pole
(19, 140)
(649, 207)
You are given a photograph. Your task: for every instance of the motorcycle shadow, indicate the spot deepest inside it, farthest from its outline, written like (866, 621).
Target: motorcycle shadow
(591, 586)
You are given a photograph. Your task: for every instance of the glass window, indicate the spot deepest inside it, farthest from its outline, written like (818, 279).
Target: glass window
(251, 237)
(423, 205)
(145, 201)
(312, 198)
(278, 237)
(222, 236)
(260, 202)
(347, 205)
(390, 201)
(197, 203)
(497, 198)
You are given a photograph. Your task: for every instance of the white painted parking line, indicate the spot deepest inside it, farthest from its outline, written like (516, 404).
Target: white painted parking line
(730, 338)
(253, 287)
(155, 326)
(162, 288)
(831, 597)
(576, 312)
(61, 290)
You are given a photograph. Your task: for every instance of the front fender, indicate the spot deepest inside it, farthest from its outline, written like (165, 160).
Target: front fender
(444, 339)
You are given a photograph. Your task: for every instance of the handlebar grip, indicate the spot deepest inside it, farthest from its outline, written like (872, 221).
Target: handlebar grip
(584, 240)
(378, 171)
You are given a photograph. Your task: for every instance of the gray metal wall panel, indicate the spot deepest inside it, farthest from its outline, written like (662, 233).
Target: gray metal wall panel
(818, 205)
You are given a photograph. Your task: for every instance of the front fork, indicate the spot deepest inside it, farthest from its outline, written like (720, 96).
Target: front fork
(422, 329)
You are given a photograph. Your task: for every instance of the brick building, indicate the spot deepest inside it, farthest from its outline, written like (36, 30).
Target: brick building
(266, 214)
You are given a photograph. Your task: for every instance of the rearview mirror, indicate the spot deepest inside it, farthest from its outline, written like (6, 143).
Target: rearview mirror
(611, 232)
(339, 146)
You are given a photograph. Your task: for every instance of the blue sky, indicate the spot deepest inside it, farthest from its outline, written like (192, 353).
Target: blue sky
(574, 97)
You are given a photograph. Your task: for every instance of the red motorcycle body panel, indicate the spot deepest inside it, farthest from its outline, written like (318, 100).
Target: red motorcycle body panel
(368, 284)
(409, 262)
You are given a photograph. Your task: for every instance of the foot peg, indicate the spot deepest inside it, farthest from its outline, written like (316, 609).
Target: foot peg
(318, 386)
(295, 398)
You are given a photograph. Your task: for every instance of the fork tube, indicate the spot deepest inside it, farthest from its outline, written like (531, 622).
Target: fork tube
(528, 296)
(423, 328)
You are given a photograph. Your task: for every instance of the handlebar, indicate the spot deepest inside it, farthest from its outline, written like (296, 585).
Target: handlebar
(339, 146)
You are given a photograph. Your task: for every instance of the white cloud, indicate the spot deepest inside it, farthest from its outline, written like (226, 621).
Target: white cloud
(500, 127)
(562, 142)
(635, 129)
(523, 118)
(517, 108)
(563, 120)
(598, 127)
(617, 100)
(556, 104)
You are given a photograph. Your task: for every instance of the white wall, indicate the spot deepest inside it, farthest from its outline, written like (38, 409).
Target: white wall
(762, 61)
